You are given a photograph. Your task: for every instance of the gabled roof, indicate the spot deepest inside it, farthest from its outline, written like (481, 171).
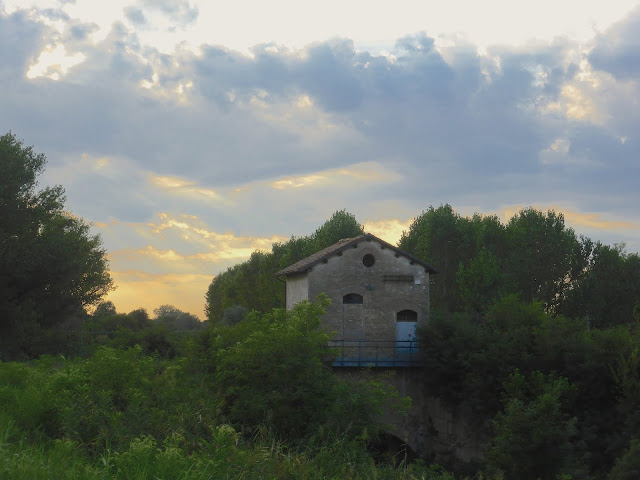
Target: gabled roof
(306, 263)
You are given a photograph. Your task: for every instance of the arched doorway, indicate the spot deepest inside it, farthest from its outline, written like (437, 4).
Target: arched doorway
(406, 340)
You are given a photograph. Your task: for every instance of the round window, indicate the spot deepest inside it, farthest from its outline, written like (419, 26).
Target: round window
(368, 260)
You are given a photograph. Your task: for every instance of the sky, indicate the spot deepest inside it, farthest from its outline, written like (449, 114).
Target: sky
(192, 133)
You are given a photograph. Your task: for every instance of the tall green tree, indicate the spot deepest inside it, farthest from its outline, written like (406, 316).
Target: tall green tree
(51, 267)
(444, 238)
(544, 256)
(608, 289)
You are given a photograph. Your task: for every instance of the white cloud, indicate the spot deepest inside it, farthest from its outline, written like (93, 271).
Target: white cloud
(188, 159)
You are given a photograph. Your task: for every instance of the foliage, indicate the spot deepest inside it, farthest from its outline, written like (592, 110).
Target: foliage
(608, 288)
(469, 360)
(626, 375)
(479, 259)
(176, 319)
(104, 309)
(165, 335)
(627, 467)
(543, 257)
(234, 315)
(533, 434)
(253, 285)
(297, 392)
(122, 414)
(50, 265)
(106, 400)
(442, 237)
(285, 351)
(480, 280)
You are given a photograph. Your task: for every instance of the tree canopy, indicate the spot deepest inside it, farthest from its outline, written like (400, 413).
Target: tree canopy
(51, 267)
(252, 284)
(535, 256)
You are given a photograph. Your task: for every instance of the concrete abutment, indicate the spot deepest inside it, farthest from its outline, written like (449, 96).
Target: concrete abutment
(430, 429)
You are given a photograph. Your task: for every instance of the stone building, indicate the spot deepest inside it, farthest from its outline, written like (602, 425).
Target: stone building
(379, 295)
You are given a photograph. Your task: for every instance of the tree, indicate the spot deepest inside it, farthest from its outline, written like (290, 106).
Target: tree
(441, 236)
(608, 288)
(234, 315)
(176, 319)
(104, 309)
(51, 268)
(252, 284)
(627, 467)
(342, 224)
(544, 256)
(480, 281)
(533, 435)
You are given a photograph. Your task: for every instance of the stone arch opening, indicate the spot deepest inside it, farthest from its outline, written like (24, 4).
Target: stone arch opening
(388, 449)
(352, 299)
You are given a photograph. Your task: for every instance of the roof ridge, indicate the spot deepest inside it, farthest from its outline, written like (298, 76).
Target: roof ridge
(306, 263)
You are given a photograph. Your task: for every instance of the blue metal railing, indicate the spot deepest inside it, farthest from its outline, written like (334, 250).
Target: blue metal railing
(375, 353)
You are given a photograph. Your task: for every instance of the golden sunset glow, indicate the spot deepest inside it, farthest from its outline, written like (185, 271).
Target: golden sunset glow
(137, 289)
(368, 172)
(54, 62)
(190, 134)
(388, 230)
(575, 219)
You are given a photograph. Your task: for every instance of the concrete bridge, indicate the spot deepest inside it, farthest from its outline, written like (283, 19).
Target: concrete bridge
(430, 430)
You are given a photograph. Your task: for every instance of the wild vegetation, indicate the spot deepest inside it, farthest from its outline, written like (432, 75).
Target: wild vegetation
(254, 400)
(51, 268)
(533, 338)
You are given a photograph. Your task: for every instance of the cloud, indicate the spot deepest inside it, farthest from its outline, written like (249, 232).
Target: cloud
(389, 230)
(179, 11)
(54, 63)
(368, 173)
(181, 187)
(617, 50)
(188, 159)
(21, 41)
(135, 15)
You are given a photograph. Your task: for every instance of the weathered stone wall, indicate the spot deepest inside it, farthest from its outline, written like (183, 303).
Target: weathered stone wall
(431, 429)
(297, 289)
(390, 285)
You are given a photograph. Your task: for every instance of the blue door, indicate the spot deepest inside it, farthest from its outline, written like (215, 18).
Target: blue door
(406, 342)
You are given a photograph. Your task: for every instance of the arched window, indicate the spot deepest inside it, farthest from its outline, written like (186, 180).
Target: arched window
(352, 298)
(407, 316)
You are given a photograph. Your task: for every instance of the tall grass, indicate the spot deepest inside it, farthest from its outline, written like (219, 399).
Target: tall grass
(124, 415)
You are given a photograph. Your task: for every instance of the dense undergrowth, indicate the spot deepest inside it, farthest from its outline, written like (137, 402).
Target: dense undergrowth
(250, 401)
(258, 400)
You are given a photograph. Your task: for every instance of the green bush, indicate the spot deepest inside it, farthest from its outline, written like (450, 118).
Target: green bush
(533, 434)
(627, 467)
